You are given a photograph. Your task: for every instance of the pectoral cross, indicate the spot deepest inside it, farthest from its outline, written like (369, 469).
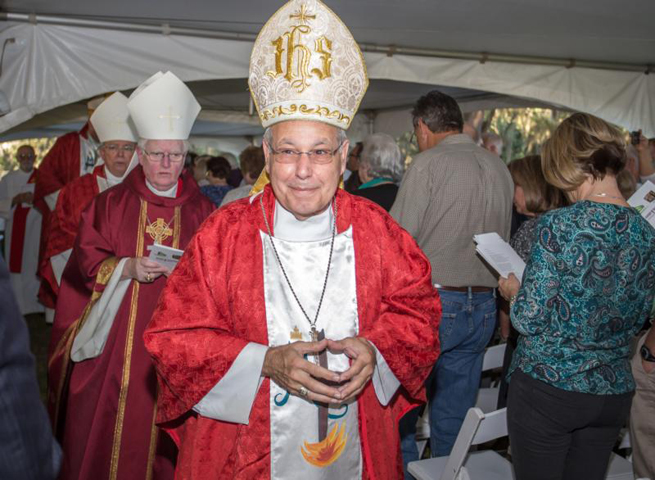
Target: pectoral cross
(159, 230)
(322, 408)
(170, 117)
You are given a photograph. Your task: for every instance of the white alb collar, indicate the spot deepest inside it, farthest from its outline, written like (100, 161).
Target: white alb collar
(287, 227)
(170, 193)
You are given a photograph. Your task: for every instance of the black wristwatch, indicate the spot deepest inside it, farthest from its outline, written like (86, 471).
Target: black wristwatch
(646, 354)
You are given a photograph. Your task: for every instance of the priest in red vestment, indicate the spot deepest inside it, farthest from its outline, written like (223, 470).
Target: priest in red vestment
(102, 385)
(117, 135)
(301, 323)
(72, 156)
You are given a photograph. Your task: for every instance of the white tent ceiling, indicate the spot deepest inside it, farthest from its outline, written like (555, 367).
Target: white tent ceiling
(529, 45)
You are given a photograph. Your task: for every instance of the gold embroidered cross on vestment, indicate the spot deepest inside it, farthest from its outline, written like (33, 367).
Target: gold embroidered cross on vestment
(159, 230)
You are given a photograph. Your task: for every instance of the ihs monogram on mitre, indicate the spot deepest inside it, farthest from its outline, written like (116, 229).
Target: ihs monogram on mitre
(306, 65)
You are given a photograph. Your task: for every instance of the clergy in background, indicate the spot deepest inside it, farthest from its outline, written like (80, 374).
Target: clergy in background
(115, 129)
(23, 229)
(102, 386)
(300, 323)
(72, 156)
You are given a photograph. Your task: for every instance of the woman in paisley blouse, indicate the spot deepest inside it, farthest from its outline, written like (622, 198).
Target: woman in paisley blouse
(587, 289)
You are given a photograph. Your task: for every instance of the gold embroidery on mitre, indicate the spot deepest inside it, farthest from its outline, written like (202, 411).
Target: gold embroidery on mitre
(305, 55)
(305, 110)
(293, 57)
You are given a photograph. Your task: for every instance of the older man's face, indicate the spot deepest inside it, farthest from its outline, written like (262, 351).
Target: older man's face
(117, 155)
(303, 186)
(160, 169)
(25, 156)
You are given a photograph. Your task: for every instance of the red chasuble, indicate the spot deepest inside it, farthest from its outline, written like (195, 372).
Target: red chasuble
(59, 167)
(103, 409)
(64, 222)
(213, 305)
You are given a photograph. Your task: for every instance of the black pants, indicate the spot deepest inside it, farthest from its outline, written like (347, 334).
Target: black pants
(561, 435)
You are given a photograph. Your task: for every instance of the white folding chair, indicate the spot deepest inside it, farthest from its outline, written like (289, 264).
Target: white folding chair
(619, 468)
(461, 464)
(487, 400)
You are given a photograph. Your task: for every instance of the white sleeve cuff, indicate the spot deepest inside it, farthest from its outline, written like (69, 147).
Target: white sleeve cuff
(232, 397)
(58, 263)
(51, 200)
(384, 381)
(91, 338)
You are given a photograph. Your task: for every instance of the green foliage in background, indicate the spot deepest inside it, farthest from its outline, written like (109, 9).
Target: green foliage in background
(8, 152)
(523, 130)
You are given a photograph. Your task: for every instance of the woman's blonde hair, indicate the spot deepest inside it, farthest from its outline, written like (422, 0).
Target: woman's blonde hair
(540, 196)
(582, 145)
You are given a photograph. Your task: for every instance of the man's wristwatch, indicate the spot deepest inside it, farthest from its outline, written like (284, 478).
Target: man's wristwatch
(646, 354)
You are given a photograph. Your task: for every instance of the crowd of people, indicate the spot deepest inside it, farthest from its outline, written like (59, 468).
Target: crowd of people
(292, 316)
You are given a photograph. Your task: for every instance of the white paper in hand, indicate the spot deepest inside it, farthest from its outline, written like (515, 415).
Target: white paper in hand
(166, 256)
(499, 255)
(643, 201)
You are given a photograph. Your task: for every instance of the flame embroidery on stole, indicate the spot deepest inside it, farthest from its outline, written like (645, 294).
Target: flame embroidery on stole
(322, 454)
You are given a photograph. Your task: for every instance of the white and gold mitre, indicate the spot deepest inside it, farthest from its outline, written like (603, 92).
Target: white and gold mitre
(111, 120)
(163, 108)
(305, 65)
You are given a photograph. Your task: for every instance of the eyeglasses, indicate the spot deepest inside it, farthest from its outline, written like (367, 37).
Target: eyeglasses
(174, 157)
(319, 156)
(26, 156)
(114, 149)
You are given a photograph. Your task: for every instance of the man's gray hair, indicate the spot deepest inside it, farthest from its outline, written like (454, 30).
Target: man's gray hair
(142, 143)
(382, 157)
(341, 136)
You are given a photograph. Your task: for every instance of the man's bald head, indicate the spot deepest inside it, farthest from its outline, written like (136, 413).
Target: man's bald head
(26, 157)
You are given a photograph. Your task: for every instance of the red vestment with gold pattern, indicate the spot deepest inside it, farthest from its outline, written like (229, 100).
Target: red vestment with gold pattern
(103, 408)
(214, 305)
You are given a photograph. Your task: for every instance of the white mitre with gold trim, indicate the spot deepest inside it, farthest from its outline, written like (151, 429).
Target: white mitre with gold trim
(163, 108)
(306, 65)
(111, 120)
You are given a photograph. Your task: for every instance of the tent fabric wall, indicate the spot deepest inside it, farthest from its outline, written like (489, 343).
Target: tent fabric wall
(50, 65)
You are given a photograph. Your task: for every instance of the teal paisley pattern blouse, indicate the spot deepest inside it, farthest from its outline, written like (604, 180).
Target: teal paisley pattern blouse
(587, 289)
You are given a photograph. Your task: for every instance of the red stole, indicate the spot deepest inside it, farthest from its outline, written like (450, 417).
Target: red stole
(19, 225)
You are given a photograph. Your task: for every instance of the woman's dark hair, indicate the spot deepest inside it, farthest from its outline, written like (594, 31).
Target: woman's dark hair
(219, 167)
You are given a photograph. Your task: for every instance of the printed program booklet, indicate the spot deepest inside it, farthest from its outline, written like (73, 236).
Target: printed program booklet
(643, 201)
(499, 255)
(166, 256)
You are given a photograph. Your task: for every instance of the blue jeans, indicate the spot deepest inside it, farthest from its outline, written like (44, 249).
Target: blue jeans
(467, 325)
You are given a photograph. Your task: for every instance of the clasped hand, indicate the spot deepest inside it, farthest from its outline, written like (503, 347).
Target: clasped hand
(287, 367)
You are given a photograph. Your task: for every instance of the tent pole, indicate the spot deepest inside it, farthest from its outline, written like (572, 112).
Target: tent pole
(481, 57)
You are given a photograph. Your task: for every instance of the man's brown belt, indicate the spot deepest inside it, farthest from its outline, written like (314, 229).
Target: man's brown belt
(466, 289)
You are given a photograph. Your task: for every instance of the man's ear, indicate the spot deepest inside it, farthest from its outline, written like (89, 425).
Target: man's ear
(268, 157)
(344, 155)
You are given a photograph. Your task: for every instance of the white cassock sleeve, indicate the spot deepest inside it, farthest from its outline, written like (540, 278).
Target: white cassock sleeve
(232, 397)
(384, 381)
(90, 340)
(51, 200)
(58, 263)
